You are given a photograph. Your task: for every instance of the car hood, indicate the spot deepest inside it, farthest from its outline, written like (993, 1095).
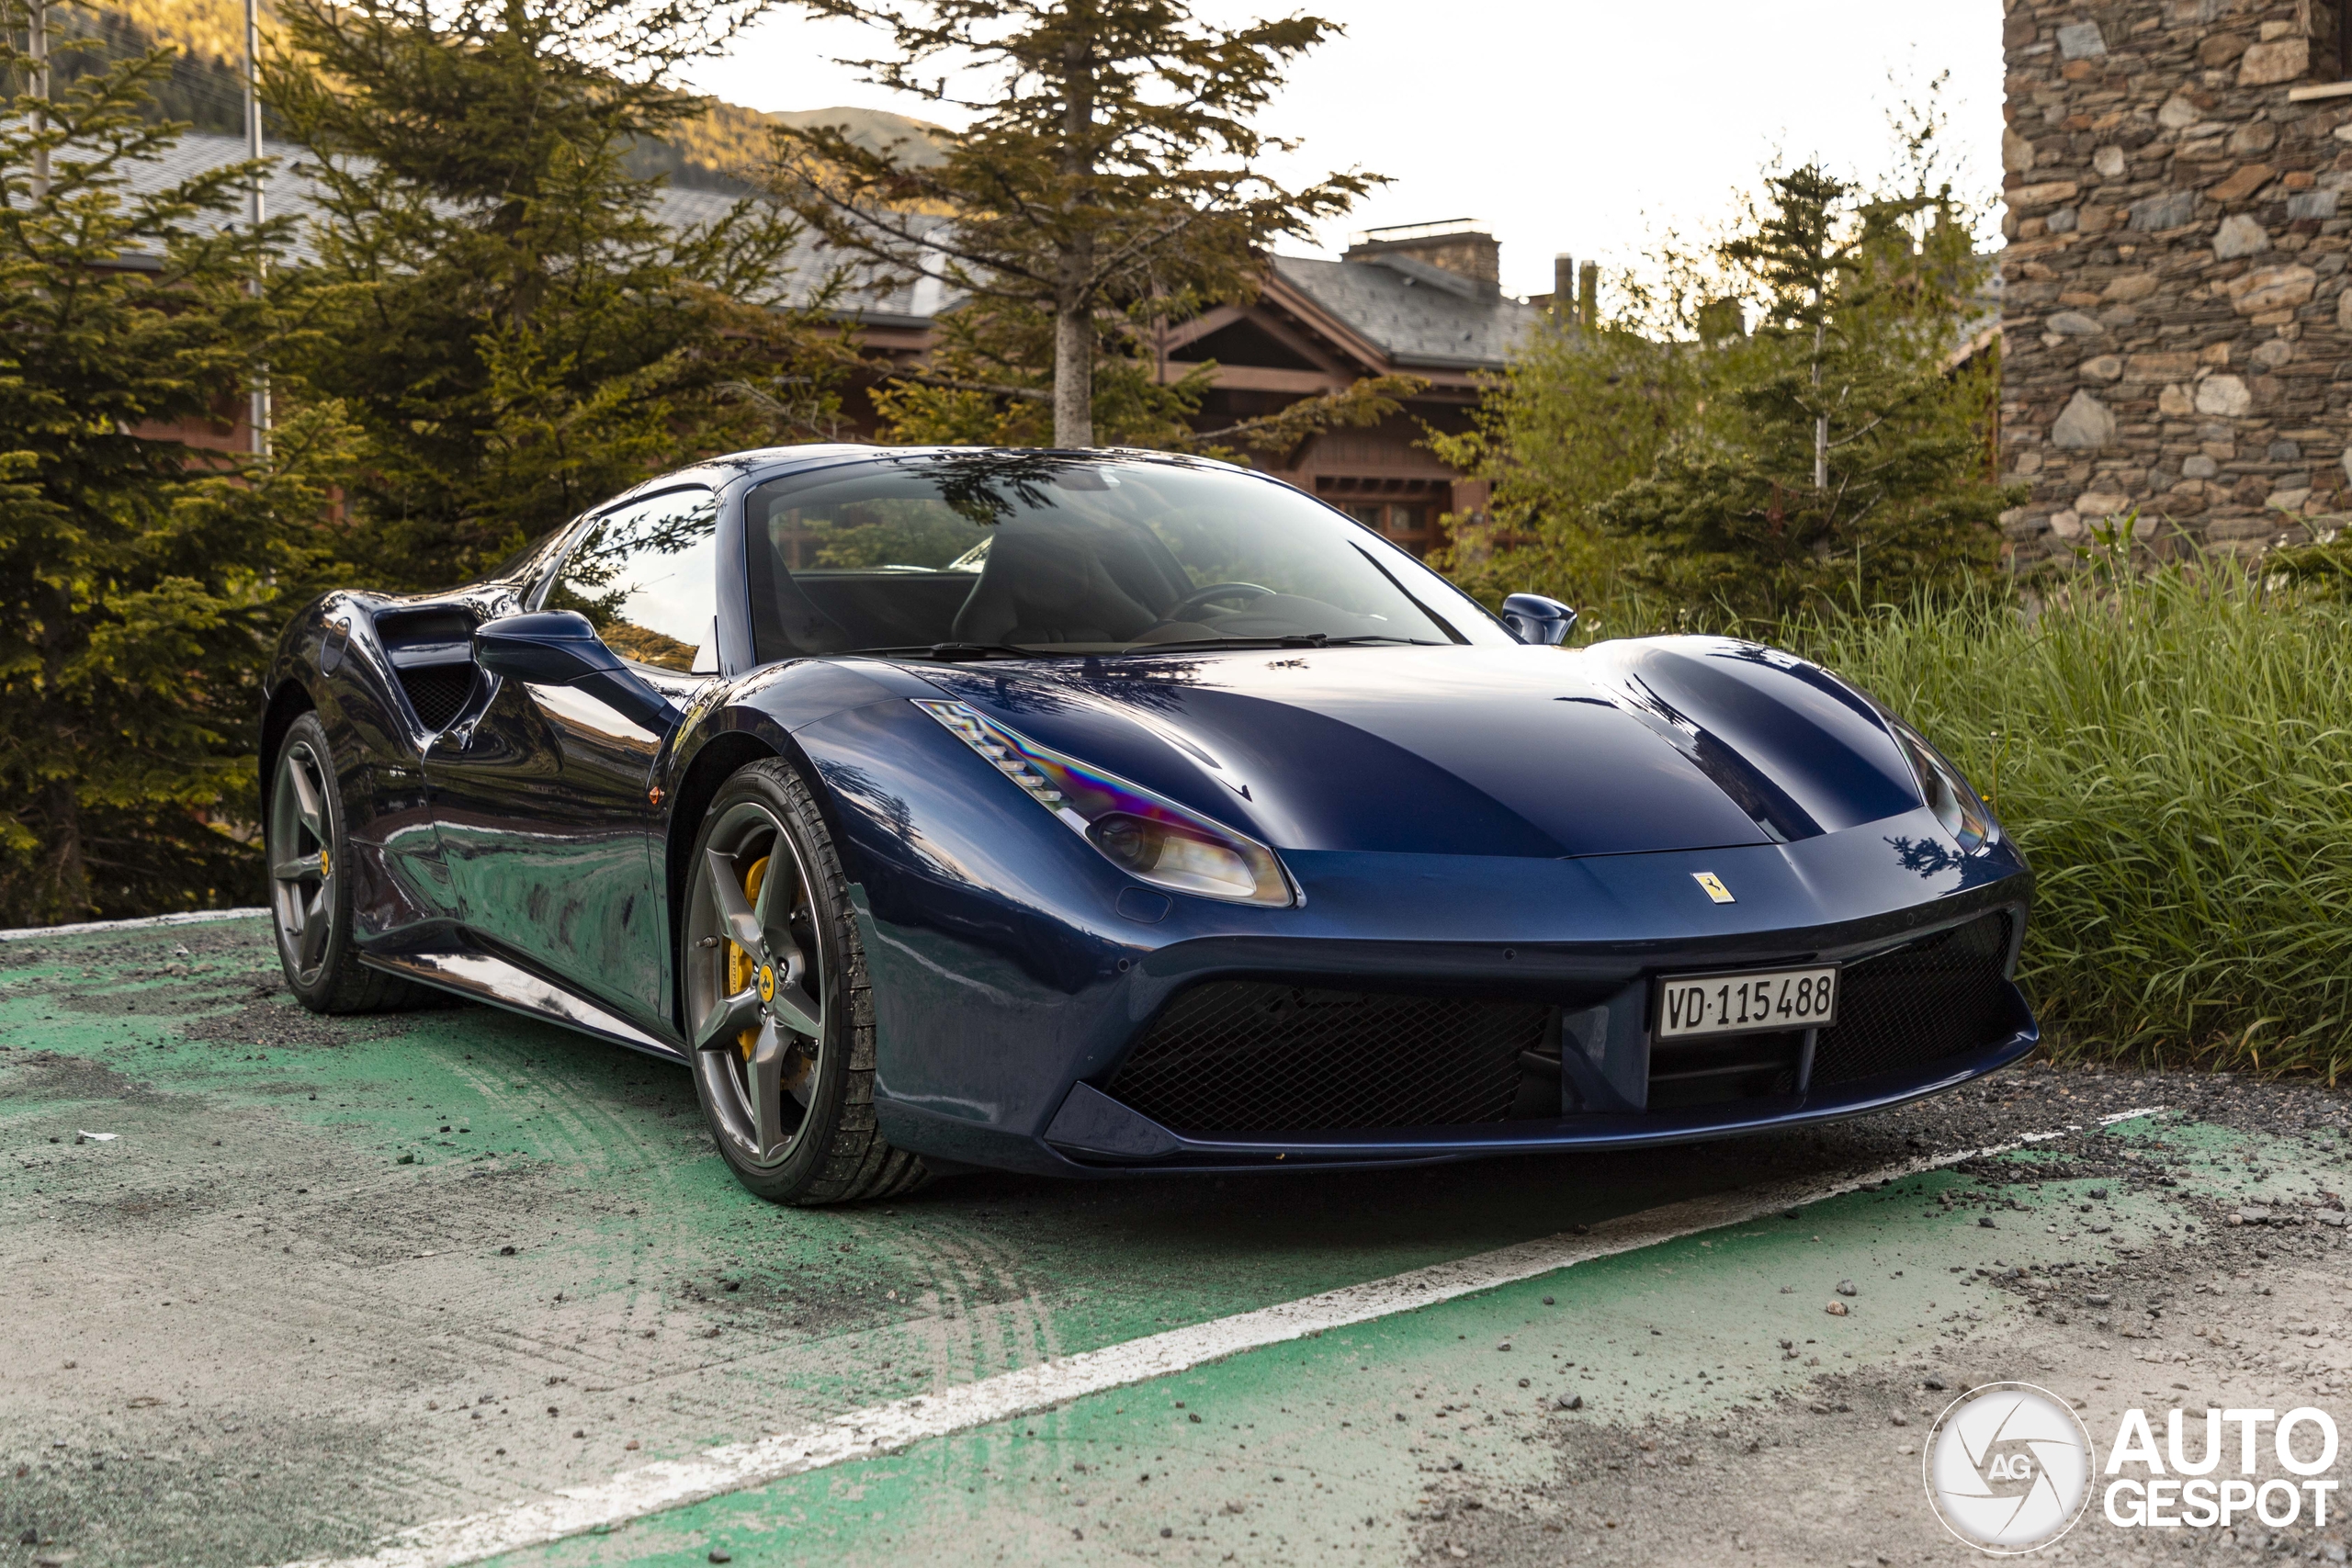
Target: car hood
(1439, 750)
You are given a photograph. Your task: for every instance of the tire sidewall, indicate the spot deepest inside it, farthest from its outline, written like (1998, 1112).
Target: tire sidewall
(766, 782)
(334, 959)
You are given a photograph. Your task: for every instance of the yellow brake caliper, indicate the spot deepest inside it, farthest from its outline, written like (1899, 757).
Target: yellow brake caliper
(741, 966)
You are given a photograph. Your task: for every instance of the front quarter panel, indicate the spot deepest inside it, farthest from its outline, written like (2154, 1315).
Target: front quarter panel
(992, 931)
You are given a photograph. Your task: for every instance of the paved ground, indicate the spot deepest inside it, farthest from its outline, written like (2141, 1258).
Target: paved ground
(331, 1279)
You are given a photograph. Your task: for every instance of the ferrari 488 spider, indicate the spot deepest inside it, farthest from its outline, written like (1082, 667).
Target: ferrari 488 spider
(1094, 812)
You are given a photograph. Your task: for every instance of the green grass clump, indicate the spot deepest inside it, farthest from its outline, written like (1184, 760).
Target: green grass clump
(2174, 756)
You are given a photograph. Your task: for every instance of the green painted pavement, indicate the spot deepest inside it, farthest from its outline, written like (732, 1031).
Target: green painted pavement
(259, 1177)
(323, 1204)
(475, 1094)
(1299, 1454)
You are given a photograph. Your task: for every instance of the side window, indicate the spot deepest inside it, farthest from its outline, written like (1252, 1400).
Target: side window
(646, 575)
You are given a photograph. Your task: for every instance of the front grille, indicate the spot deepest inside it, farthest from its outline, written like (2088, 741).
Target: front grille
(1255, 1057)
(438, 691)
(1942, 996)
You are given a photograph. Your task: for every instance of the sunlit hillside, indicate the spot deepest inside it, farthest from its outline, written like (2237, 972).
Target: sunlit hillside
(206, 84)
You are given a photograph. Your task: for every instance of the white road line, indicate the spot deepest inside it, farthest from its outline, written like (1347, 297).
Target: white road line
(885, 1428)
(191, 918)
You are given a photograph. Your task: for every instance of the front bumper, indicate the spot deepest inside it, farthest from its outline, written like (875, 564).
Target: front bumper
(1025, 1075)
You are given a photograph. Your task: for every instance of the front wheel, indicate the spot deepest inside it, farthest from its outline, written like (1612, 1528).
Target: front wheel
(778, 1005)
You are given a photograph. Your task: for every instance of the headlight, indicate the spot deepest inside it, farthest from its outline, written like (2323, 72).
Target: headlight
(1148, 836)
(1963, 815)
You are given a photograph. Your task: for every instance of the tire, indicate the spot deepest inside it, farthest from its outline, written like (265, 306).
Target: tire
(309, 891)
(787, 1012)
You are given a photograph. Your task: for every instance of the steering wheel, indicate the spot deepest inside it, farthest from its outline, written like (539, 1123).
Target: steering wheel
(1213, 591)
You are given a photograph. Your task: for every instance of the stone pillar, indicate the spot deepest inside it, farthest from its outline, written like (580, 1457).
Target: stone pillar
(2176, 333)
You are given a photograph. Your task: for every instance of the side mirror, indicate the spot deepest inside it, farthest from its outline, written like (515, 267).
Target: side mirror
(1533, 618)
(559, 648)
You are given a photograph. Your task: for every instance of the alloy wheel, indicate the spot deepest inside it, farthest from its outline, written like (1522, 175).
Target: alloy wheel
(755, 982)
(301, 858)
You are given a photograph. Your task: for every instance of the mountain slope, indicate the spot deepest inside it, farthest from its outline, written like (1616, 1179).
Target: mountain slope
(207, 88)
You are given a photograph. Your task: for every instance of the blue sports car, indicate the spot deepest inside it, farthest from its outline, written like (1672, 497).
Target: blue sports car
(1102, 812)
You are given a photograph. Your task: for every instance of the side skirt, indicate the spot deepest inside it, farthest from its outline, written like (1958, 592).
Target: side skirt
(479, 977)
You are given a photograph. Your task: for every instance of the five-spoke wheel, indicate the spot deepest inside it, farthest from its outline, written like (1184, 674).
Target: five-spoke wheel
(302, 857)
(776, 1001)
(754, 981)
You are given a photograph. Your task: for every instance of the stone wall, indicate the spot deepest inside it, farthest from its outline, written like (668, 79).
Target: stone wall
(2177, 328)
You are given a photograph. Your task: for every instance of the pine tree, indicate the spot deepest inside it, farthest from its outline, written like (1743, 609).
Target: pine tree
(1579, 414)
(504, 316)
(1840, 458)
(139, 577)
(1111, 179)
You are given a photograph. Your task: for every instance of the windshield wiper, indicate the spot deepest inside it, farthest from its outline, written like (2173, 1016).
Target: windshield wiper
(1304, 639)
(952, 651)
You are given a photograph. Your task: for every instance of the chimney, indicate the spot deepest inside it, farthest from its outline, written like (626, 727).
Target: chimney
(1456, 245)
(1563, 283)
(1588, 295)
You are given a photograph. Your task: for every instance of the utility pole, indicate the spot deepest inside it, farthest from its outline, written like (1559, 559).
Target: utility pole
(36, 45)
(258, 416)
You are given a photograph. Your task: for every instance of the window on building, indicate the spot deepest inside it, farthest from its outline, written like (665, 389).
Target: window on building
(1366, 514)
(1409, 520)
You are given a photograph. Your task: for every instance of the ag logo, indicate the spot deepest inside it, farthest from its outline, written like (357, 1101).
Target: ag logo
(2008, 1468)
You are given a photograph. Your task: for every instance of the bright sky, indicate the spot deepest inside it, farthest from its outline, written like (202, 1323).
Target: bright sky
(1560, 125)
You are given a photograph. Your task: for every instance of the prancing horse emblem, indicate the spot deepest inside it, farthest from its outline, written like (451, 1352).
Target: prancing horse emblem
(1713, 886)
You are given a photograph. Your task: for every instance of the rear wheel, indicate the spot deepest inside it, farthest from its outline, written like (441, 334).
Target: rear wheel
(778, 1003)
(310, 882)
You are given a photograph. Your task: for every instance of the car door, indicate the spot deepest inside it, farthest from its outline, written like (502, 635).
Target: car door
(541, 802)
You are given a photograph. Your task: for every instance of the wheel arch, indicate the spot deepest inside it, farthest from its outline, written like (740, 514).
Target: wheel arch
(715, 761)
(287, 703)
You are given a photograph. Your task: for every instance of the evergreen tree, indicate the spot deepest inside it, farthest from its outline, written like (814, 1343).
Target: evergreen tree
(1580, 415)
(139, 577)
(504, 317)
(1839, 457)
(1111, 179)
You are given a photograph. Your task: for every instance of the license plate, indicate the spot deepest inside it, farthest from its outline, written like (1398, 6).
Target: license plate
(1746, 1003)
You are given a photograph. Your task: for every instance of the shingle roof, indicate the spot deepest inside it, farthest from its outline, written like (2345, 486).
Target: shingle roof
(1415, 314)
(285, 194)
(288, 192)
(1436, 321)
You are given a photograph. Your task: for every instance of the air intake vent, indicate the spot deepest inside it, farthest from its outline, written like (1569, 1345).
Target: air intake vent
(1943, 996)
(438, 692)
(431, 649)
(1255, 1057)
(1684, 1073)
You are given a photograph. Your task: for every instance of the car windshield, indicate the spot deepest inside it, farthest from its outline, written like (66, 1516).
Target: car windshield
(1053, 553)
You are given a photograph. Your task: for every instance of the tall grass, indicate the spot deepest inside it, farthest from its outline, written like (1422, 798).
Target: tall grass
(2174, 755)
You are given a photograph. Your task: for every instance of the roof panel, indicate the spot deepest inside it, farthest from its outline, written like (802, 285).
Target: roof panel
(1413, 322)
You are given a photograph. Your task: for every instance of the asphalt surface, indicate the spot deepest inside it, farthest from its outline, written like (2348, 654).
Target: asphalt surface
(325, 1280)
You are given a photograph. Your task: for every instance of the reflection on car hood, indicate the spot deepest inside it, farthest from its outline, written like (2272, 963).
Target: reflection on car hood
(1441, 751)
